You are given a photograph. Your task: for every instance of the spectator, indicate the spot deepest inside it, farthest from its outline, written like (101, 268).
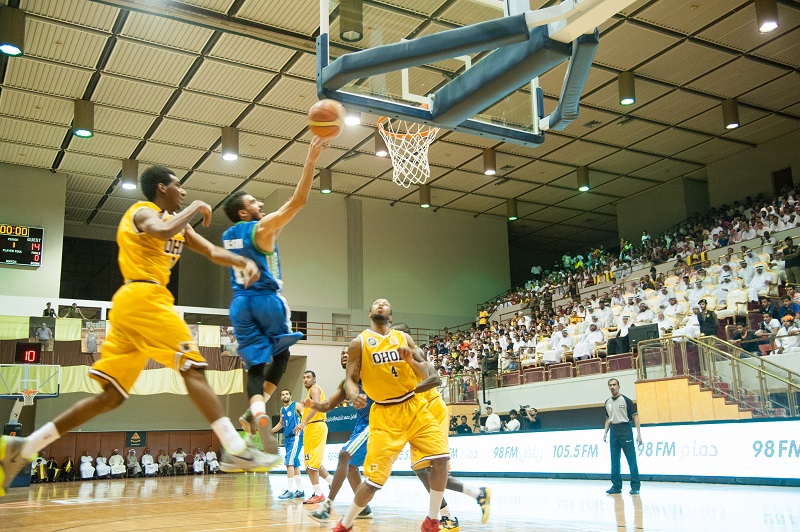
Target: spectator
(787, 340)
(74, 312)
(788, 306)
(791, 257)
(769, 308)
(211, 461)
(512, 425)
(44, 335)
(148, 464)
(179, 461)
(533, 422)
(117, 464)
(492, 423)
(48, 311)
(708, 319)
(132, 464)
(164, 463)
(746, 339)
(86, 467)
(462, 427)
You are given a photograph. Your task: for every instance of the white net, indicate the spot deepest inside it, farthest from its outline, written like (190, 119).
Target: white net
(407, 143)
(28, 396)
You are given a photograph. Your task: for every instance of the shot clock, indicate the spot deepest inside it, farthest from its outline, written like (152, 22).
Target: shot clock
(21, 245)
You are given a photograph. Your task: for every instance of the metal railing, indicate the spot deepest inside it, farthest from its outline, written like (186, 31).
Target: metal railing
(460, 389)
(754, 383)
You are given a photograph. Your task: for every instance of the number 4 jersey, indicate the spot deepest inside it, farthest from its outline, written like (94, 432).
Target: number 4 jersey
(386, 378)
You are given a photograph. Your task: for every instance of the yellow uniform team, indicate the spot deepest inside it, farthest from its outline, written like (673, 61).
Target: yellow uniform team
(315, 435)
(144, 304)
(398, 415)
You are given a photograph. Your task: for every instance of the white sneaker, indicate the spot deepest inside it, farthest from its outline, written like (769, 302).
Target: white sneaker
(249, 460)
(11, 462)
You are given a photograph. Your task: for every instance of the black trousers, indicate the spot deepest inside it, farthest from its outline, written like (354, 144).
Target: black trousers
(622, 442)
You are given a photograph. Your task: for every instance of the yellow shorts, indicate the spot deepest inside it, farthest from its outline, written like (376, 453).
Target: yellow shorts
(314, 438)
(144, 325)
(438, 410)
(391, 427)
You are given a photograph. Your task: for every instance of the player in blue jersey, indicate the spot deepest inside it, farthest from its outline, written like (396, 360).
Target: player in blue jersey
(291, 413)
(259, 313)
(352, 455)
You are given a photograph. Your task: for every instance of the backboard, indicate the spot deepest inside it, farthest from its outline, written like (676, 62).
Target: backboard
(14, 378)
(475, 63)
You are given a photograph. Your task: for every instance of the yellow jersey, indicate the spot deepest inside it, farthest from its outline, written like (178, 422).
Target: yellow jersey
(385, 377)
(143, 257)
(319, 416)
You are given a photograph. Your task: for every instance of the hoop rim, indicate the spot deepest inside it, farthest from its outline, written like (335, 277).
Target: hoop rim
(29, 393)
(425, 133)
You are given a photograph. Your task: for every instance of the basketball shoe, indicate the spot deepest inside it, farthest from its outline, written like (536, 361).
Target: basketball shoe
(447, 523)
(483, 501)
(429, 525)
(11, 462)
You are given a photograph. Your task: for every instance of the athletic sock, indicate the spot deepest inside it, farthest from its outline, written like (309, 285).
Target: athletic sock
(289, 481)
(298, 481)
(471, 491)
(317, 489)
(258, 408)
(230, 439)
(444, 510)
(436, 501)
(39, 440)
(328, 479)
(350, 516)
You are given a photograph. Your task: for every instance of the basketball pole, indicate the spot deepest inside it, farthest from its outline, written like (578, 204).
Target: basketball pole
(13, 419)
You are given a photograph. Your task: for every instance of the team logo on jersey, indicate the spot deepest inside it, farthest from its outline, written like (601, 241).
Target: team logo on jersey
(372, 342)
(186, 347)
(393, 341)
(386, 357)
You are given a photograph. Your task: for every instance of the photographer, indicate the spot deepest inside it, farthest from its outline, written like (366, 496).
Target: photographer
(531, 422)
(512, 425)
(462, 427)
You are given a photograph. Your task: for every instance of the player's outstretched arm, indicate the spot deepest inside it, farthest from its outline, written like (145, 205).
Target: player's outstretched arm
(277, 427)
(148, 221)
(221, 256)
(334, 400)
(270, 225)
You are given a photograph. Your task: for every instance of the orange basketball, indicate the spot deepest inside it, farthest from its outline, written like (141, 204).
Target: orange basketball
(326, 119)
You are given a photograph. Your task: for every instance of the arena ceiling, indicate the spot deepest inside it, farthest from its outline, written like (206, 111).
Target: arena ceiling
(165, 75)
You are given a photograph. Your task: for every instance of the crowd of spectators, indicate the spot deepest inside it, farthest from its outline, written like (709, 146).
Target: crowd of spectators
(131, 466)
(687, 243)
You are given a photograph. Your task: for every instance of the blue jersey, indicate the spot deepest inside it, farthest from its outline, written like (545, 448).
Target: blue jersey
(289, 419)
(362, 414)
(240, 239)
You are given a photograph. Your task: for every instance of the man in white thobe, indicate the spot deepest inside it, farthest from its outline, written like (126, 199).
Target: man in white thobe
(132, 464)
(665, 324)
(697, 293)
(604, 314)
(692, 327)
(788, 338)
(588, 342)
(644, 316)
(148, 464)
(199, 464)
(87, 469)
(101, 464)
(211, 460)
(117, 464)
(760, 283)
(563, 343)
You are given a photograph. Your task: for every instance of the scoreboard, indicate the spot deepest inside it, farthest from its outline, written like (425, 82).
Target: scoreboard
(21, 245)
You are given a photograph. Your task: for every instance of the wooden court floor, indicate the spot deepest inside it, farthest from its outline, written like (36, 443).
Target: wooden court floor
(247, 502)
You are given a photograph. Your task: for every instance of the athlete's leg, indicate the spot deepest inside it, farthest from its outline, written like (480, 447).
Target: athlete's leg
(353, 476)
(342, 471)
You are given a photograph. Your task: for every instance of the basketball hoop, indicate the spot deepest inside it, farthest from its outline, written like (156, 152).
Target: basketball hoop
(408, 144)
(28, 396)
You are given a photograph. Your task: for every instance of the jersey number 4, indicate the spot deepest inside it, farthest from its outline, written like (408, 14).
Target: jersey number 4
(394, 372)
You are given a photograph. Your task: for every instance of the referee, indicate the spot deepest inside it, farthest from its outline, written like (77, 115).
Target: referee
(620, 411)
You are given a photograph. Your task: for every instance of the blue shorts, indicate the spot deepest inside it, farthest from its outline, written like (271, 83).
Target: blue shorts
(356, 447)
(262, 326)
(293, 446)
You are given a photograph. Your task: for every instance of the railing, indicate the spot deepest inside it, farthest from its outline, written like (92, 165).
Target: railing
(344, 332)
(460, 389)
(769, 390)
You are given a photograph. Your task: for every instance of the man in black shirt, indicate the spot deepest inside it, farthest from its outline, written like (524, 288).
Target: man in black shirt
(620, 412)
(708, 319)
(49, 312)
(791, 256)
(462, 427)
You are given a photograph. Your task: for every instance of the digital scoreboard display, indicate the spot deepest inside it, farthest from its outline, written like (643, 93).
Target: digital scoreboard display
(21, 245)
(28, 353)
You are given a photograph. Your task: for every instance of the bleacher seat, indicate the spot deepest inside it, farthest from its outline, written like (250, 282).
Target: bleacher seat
(534, 374)
(510, 378)
(591, 366)
(560, 371)
(620, 362)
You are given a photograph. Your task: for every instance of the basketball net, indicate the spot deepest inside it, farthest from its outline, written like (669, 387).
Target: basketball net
(407, 143)
(28, 396)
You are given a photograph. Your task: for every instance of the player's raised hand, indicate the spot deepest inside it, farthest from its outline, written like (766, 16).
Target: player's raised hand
(251, 273)
(205, 209)
(316, 148)
(406, 353)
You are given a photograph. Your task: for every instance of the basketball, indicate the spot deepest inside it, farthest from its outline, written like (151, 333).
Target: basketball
(326, 119)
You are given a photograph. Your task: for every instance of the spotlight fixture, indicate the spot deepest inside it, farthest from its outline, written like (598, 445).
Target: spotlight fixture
(380, 145)
(83, 121)
(12, 31)
(511, 209)
(230, 143)
(767, 15)
(627, 88)
(130, 174)
(489, 161)
(730, 114)
(583, 178)
(353, 118)
(325, 181)
(424, 196)
(351, 20)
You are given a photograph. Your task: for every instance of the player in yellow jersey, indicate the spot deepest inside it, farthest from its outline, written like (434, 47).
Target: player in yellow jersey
(145, 325)
(437, 407)
(390, 370)
(315, 436)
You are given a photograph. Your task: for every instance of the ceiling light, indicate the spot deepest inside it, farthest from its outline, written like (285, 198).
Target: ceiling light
(627, 88)
(424, 196)
(767, 15)
(351, 20)
(230, 143)
(489, 161)
(12, 31)
(83, 121)
(583, 178)
(325, 181)
(130, 174)
(730, 114)
(380, 145)
(511, 209)
(353, 118)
